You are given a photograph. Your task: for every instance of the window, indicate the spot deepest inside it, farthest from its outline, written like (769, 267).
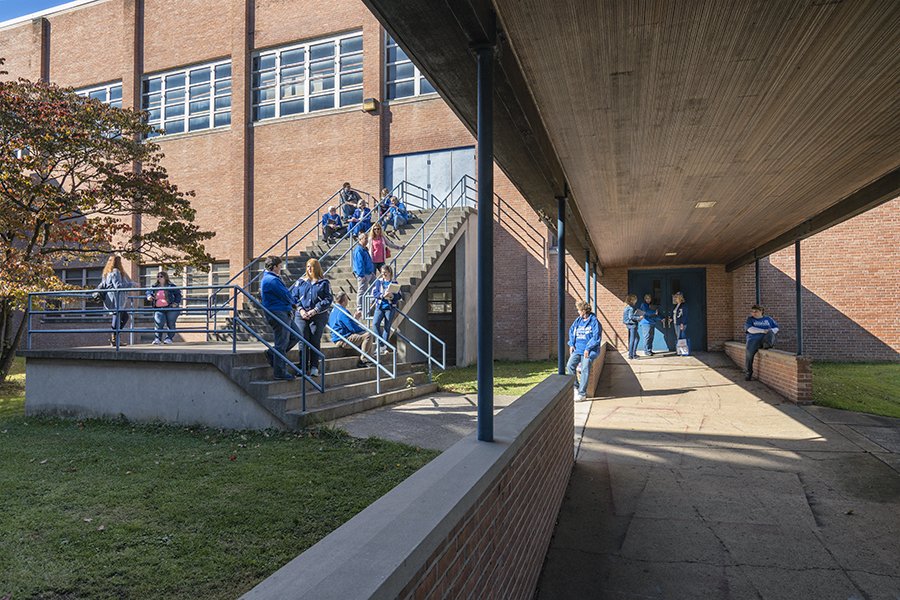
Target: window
(191, 99)
(440, 298)
(188, 277)
(111, 93)
(552, 241)
(403, 78)
(307, 77)
(82, 278)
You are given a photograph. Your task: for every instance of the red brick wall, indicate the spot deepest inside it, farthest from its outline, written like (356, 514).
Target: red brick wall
(613, 287)
(850, 290)
(79, 55)
(787, 374)
(500, 543)
(21, 47)
(179, 33)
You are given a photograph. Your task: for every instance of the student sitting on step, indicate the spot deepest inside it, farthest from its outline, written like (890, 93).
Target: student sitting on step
(761, 332)
(361, 219)
(397, 216)
(346, 331)
(332, 226)
(349, 200)
(584, 345)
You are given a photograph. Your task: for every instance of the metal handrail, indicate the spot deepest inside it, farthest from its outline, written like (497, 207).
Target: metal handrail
(376, 360)
(428, 355)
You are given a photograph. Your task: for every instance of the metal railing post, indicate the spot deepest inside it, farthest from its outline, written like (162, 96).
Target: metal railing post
(378, 359)
(234, 320)
(429, 357)
(28, 338)
(117, 319)
(303, 375)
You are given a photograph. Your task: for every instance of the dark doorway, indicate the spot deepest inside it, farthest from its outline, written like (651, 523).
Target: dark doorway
(661, 284)
(440, 305)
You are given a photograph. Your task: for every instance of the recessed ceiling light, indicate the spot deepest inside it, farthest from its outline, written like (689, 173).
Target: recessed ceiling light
(671, 253)
(705, 204)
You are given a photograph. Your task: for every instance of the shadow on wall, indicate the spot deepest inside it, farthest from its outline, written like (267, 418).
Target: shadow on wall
(828, 332)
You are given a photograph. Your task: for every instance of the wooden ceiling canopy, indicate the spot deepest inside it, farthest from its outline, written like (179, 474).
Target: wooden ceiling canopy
(779, 112)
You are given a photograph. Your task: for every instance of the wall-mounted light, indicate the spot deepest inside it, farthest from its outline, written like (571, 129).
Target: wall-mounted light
(370, 105)
(705, 204)
(671, 253)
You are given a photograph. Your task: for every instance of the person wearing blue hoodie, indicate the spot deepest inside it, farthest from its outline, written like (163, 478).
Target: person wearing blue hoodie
(630, 318)
(647, 323)
(313, 298)
(584, 344)
(277, 300)
(761, 332)
(363, 268)
(397, 215)
(346, 331)
(361, 220)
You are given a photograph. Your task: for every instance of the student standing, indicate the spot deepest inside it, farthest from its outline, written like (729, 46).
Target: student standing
(363, 269)
(761, 332)
(346, 331)
(312, 295)
(115, 298)
(679, 316)
(277, 300)
(630, 318)
(166, 299)
(385, 304)
(349, 200)
(647, 324)
(379, 246)
(584, 344)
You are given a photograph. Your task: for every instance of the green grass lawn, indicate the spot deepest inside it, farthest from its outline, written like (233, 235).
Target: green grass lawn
(510, 378)
(100, 509)
(12, 392)
(871, 388)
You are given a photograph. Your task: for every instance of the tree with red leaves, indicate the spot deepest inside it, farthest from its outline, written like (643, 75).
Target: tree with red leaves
(74, 173)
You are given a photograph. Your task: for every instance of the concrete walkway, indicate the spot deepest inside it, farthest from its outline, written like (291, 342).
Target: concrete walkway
(691, 483)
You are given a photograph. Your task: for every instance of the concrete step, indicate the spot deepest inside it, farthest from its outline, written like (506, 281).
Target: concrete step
(343, 408)
(334, 380)
(314, 399)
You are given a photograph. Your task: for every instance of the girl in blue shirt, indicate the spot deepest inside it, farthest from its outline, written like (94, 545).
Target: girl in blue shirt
(385, 304)
(312, 296)
(631, 323)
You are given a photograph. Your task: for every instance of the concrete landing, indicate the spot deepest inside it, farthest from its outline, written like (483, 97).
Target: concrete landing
(691, 483)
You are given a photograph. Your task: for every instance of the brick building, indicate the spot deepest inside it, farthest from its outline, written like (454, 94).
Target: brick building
(263, 106)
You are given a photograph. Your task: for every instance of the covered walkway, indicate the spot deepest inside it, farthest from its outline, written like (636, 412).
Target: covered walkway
(691, 483)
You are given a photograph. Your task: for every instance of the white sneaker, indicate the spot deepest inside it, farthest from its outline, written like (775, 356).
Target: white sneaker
(314, 372)
(578, 396)
(156, 342)
(167, 341)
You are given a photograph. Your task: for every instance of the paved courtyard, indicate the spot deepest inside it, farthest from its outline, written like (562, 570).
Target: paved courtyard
(691, 483)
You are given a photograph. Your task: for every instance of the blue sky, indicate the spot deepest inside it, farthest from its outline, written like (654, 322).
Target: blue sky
(10, 9)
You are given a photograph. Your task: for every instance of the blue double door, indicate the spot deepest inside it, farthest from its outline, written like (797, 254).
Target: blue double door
(661, 284)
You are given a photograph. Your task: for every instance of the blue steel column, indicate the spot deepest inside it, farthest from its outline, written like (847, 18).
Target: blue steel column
(587, 275)
(799, 299)
(756, 275)
(561, 283)
(485, 286)
(594, 273)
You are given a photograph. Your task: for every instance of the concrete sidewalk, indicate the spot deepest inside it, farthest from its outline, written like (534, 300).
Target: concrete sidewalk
(691, 483)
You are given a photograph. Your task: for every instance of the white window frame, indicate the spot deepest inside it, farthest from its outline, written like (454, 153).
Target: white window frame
(307, 95)
(147, 277)
(107, 89)
(214, 95)
(417, 77)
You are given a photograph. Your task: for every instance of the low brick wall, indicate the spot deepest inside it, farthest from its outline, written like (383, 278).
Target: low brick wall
(788, 374)
(476, 521)
(596, 370)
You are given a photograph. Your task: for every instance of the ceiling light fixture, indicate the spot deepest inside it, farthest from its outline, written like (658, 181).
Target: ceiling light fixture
(671, 253)
(705, 204)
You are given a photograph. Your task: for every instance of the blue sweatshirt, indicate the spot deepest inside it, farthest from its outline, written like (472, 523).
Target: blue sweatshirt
(400, 209)
(308, 295)
(628, 316)
(378, 289)
(364, 219)
(362, 262)
(649, 315)
(341, 322)
(274, 294)
(680, 315)
(333, 219)
(584, 334)
(762, 323)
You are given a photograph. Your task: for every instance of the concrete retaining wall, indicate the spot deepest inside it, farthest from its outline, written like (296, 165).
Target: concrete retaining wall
(170, 392)
(479, 517)
(788, 374)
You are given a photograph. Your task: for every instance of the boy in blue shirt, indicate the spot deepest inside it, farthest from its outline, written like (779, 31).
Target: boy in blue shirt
(761, 332)
(584, 344)
(332, 226)
(346, 331)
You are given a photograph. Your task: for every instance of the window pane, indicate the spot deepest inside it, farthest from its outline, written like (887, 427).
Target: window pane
(263, 79)
(321, 68)
(174, 126)
(321, 102)
(266, 111)
(153, 84)
(291, 90)
(154, 115)
(200, 75)
(115, 92)
(176, 80)
(152, 100)
(353, 44)
(354, 97)
(98, 95)
(395, 53)
(401, 71)
(201, 106)
(292, 107)
(296, 73)
(223, 71)
(321, 51)
(223, 87)
(174, 110)
(199, 123)
(199, 91)
(350, 63)
(176, 95)
(263, 95)
(292, 57)
(351, 79)
(223, 102)
(401, 90)
(222, 119)
(425, 87)
(321, 85)
(264, 61)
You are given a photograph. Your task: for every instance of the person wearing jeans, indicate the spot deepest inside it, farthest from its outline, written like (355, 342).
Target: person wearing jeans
(761, 332)
(278, 302)
(385, 304)
(647, 324)
(313, 298)
(166, 299)
(346, 332)
(584, 345)
(630, 319)
(363, 269)
(679, 317)
(114, 295)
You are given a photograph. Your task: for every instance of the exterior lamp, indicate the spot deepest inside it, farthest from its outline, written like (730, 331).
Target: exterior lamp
(370, 105)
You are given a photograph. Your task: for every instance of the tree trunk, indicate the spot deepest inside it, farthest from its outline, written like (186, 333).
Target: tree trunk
(12, 335)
